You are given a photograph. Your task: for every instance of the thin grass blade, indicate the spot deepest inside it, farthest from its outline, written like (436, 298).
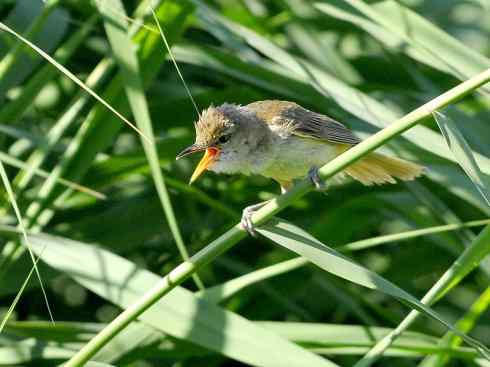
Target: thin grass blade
(463, 153)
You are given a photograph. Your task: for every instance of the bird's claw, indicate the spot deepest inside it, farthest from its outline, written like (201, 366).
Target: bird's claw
(246, 222)
(316, 180)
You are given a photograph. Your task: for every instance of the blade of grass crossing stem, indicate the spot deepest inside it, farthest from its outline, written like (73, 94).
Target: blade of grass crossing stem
(181, 314)
(462, 152)
(125, 56)
(235, 234)
(13, 202)
(300, 242)
(466, 323)
(465, 263)
(72, 76)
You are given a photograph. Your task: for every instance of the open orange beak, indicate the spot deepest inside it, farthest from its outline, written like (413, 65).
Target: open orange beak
(206, 161)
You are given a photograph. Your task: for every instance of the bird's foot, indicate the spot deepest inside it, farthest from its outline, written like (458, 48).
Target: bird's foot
(316, 180)
(246, 222)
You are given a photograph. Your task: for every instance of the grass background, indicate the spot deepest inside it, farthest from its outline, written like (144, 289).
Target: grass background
(363, 64)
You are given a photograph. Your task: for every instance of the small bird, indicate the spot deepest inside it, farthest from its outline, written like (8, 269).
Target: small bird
(283, 141)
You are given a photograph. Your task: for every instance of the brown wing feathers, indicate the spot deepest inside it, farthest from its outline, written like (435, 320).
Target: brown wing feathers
(372, 169)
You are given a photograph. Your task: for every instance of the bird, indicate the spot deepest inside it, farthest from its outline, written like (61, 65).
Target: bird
(283, 141)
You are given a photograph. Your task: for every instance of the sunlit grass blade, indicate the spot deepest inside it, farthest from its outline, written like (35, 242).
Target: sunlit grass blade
(127, 60)
(39, 339)
(122, 282)
(73, 77)
(463, 154)
(13, 203)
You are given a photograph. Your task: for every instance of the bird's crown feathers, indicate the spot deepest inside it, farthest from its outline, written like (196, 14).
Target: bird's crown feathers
(214, 122)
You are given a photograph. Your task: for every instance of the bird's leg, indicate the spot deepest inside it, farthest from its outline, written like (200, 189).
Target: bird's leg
(247, 213)
(316, 180)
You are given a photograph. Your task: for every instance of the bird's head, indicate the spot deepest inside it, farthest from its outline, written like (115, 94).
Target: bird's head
(226, 134)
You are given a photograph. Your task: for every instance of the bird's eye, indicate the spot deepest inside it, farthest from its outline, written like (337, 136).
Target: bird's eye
(224, 138)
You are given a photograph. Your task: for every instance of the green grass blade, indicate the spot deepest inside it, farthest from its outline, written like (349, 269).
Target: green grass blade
(462, 152)
(127, 60)
(182, 314)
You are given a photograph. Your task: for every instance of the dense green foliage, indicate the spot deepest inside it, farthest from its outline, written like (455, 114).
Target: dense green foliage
(110, 212)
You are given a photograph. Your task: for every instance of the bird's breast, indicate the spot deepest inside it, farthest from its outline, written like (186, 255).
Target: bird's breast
(294, 156)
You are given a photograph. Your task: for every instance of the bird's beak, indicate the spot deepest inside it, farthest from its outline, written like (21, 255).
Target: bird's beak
(206, 161)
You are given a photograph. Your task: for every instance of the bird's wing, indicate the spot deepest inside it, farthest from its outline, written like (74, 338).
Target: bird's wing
(302, 122)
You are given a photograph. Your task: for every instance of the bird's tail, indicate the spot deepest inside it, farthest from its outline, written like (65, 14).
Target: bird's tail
(377, 169)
